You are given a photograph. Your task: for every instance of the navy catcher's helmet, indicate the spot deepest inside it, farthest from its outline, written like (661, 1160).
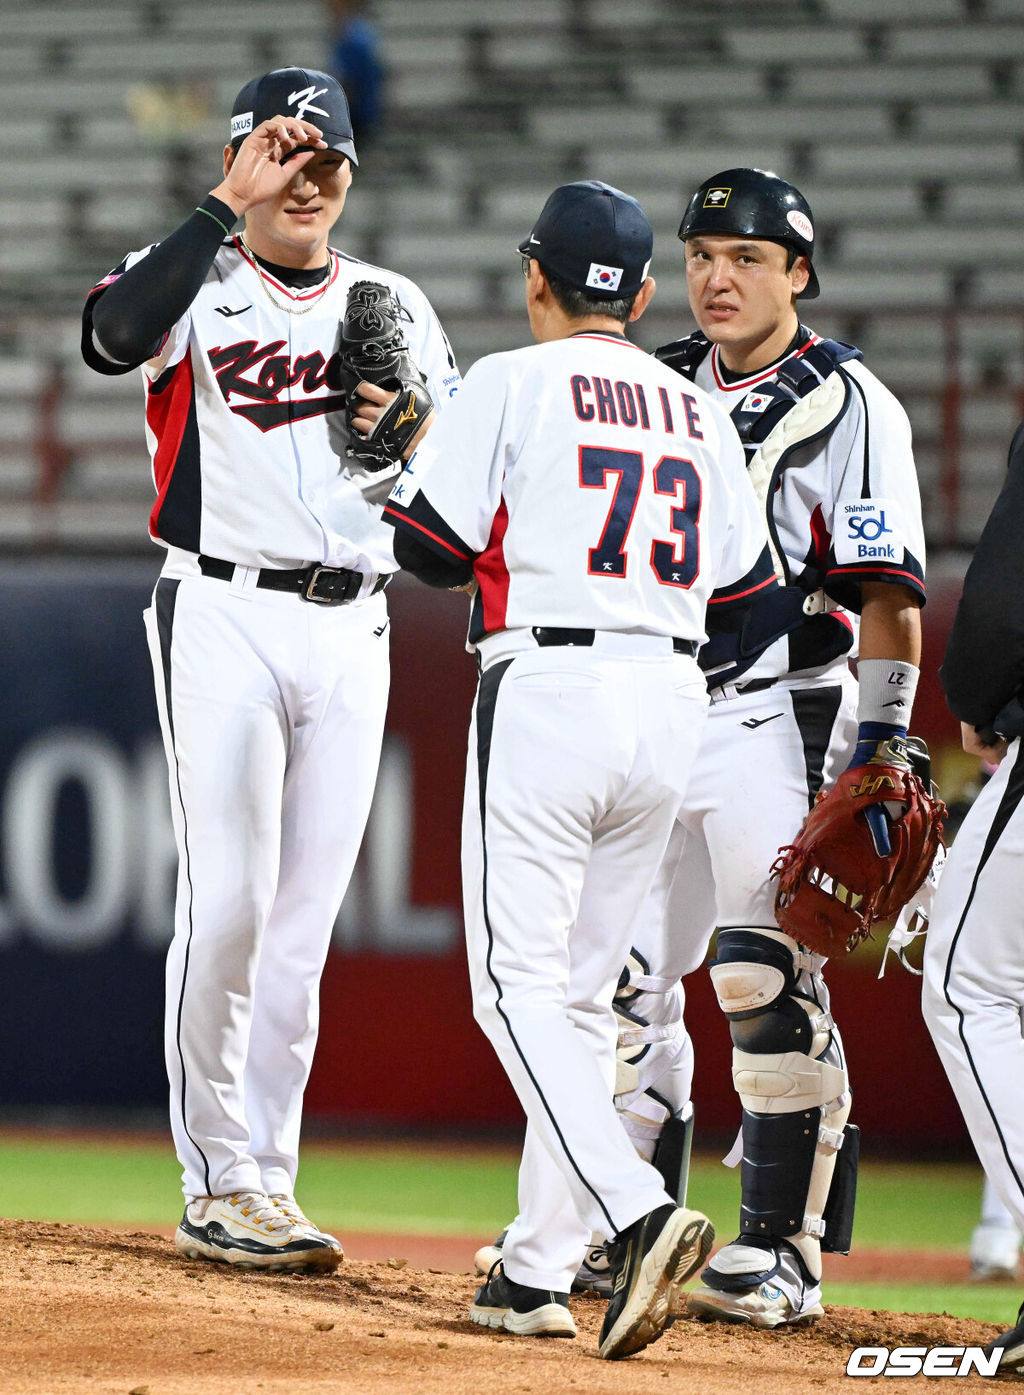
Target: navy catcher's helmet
(753, 203)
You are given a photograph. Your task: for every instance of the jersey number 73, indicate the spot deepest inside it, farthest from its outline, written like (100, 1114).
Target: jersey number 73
(673, 477)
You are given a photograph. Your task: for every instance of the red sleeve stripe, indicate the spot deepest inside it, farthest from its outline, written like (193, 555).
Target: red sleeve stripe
(719, 597)
(411, 522)
(167, 415)
(492, 574)
(867, 573)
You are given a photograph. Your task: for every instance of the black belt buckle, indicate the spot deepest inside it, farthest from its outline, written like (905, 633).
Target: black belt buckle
(547, 635)
(330, 585)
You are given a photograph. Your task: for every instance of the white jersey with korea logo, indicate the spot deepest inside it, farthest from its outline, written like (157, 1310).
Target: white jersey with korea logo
(245, 421)
(593, 488)
(845, 509)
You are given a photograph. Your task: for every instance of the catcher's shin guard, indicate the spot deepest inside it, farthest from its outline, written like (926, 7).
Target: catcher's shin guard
(791, 1079)
(654, 1071)
(842, 1195)
(672, 1153)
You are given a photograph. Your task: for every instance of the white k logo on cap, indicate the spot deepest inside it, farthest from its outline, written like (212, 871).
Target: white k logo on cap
(305, 98)
(604, 278)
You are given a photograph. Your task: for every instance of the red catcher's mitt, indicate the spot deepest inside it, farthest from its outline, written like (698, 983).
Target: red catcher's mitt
(833, 885)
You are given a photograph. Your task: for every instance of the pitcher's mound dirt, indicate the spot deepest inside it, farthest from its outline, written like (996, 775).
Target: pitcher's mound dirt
(117, 1313)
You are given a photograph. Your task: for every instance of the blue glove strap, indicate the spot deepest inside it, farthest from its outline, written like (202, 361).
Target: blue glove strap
(871, 735)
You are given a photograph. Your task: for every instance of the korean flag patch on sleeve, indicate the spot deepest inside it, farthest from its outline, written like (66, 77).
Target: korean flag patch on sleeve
(868, 530)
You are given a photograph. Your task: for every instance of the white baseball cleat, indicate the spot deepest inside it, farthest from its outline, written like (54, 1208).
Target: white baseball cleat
(595, 1273)
(762, 1285)
(994, 1253)
(487, 1256)
(291, 1208)
(764, 1306)
(249, 1230)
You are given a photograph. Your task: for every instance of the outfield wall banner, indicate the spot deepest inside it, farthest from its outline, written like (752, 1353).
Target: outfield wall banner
(87, 871)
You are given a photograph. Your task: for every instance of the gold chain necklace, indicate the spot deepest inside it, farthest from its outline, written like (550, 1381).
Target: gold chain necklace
(283, 305)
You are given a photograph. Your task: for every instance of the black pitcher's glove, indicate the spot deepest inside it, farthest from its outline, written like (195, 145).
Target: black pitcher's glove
(373, 350)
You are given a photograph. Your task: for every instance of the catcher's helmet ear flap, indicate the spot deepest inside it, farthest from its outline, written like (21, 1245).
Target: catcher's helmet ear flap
(753, 203)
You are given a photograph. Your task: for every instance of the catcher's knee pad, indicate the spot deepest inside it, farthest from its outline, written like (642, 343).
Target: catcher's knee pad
(651, 1035)
(755, 976)
(644, 1051)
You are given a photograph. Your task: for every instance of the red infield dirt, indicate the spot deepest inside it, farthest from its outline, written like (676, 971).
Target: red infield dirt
(119, 1313)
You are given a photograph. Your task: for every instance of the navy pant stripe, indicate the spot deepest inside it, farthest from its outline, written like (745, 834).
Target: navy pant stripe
(165, 600)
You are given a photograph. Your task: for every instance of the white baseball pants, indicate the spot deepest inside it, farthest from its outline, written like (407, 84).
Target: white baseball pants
(973, 992)
(272, 711)
(760, 755)
(578, 761)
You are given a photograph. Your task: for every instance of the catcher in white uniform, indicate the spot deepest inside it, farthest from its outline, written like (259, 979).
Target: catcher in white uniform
(829, 453)
(268, 629)
(600, 504)
(974, 952)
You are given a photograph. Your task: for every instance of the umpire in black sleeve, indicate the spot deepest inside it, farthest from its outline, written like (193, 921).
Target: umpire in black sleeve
(983, 669)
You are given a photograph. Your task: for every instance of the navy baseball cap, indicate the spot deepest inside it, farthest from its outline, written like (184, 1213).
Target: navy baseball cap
(593, 237)
(305, 93)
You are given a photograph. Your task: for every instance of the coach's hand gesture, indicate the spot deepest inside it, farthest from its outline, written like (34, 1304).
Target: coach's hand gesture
(257, 170)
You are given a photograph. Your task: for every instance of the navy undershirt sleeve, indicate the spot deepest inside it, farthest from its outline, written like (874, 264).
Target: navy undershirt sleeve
(131, 316)
(428, 565)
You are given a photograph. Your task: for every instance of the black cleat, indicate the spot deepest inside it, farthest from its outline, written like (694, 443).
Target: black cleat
(528, 1312)
(1011, 1345)
(651, 1260)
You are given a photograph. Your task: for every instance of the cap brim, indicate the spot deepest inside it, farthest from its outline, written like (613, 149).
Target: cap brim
(343, 144)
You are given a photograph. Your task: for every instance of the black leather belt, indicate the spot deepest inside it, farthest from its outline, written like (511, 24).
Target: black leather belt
(547, 635)
(326, 585)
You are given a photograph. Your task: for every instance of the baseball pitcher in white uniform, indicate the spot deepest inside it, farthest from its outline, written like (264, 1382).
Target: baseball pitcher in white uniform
(600, 505)
(268, 633)
(973, 995)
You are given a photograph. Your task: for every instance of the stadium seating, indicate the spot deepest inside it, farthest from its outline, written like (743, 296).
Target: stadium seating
(903, 124)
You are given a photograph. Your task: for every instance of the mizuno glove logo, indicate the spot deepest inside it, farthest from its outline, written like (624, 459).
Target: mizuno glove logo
(410, 412)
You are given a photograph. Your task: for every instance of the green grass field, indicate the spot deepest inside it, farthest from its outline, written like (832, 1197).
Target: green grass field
(416, 1188)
